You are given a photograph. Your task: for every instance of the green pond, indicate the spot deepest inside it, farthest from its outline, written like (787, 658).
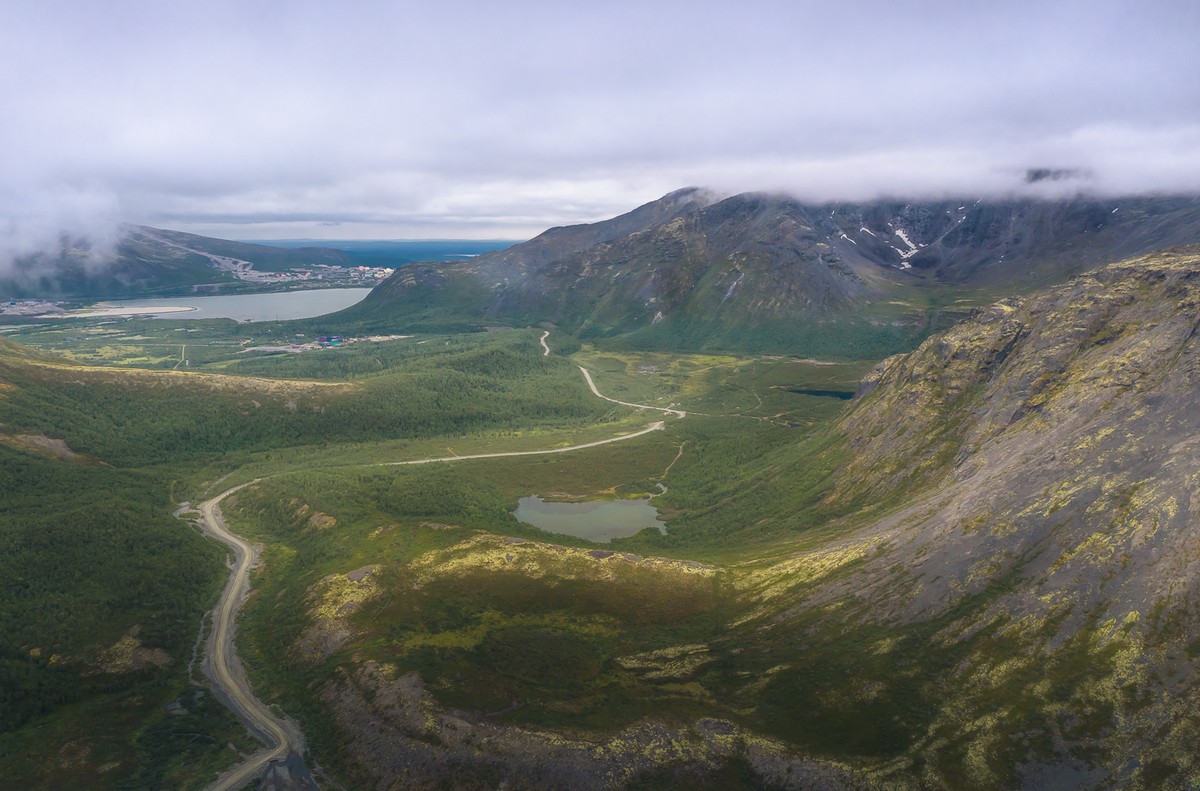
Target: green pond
(595, 521)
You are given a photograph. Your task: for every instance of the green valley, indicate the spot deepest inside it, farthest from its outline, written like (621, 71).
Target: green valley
(969, 575)
(168, 435)
(630, 396)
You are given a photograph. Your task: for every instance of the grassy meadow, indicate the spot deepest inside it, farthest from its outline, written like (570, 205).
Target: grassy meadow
(104, 429)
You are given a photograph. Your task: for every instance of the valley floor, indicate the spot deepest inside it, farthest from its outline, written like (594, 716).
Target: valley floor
(975, 574)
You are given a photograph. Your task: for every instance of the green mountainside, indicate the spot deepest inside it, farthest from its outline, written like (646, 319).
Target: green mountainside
(767, 273)
(102, 591)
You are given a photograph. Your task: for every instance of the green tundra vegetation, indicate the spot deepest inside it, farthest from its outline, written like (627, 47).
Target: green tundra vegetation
(102, 589)
(100, 440)
(404, 567)
(925, 586)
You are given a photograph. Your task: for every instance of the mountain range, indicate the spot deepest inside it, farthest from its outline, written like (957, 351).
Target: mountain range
(769, 273)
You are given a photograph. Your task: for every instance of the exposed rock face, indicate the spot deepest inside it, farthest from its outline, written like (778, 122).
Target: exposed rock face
(126, 656)
(331, 602)
(406, 742)
(40, 443)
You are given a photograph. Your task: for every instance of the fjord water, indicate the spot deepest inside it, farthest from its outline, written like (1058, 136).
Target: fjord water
(594, 521)
(254, 307)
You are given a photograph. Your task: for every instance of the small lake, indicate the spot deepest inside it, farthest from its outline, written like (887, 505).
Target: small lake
(841, 395)
(595, 521)
(279, 306)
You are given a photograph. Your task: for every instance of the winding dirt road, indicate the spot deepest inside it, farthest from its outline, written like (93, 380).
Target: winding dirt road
(283, 738)
(655, 426)
(668, 409)
(222, 666)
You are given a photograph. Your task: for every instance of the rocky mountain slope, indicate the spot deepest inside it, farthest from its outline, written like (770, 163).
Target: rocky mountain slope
(151, 261)
(1035, 580)
(766, 271)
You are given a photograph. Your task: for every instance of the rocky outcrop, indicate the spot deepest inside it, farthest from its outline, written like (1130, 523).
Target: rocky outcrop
(330, 604)
(404, 741)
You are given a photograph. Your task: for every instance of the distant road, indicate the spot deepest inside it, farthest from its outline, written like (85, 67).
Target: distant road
(598, 394)
(656, 426)
(283, 738)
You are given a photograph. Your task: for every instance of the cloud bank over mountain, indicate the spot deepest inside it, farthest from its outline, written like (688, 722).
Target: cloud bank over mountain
(304, 119)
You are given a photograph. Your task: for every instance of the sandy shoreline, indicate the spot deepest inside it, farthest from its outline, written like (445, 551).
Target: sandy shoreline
(91, 313)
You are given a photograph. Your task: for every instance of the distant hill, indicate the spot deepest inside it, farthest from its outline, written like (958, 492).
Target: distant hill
(766, 272)
(152, 261)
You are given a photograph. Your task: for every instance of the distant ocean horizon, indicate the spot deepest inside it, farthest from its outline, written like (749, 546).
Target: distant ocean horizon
(397, 252)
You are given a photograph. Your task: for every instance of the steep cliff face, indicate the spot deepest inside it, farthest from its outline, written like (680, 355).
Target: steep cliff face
(1039, 466)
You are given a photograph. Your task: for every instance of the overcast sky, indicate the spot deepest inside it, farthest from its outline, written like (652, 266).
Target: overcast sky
(496, 120)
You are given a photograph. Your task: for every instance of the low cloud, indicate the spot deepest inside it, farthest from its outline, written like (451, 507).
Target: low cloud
(485, 120)
(43, 223)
